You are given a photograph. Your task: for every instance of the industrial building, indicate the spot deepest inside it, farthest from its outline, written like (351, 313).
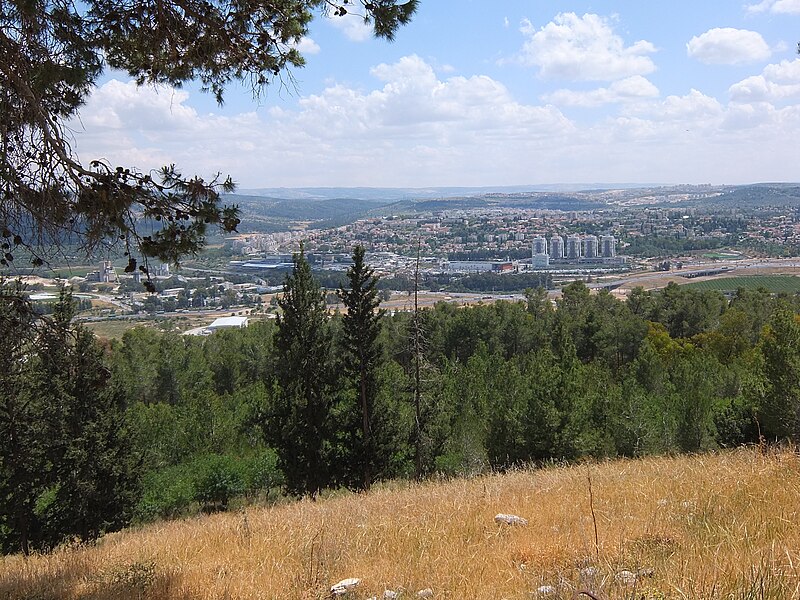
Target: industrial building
(228, 323)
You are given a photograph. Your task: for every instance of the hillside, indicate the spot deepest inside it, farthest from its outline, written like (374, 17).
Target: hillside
(709, 526)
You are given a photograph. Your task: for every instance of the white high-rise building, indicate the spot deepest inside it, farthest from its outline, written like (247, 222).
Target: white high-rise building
(608, 246)
(573, 247)
(539, 245)
(556, 247)
(590, 246)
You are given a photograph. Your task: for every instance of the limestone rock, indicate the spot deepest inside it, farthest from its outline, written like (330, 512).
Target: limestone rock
(502, 518)
(626, 577)
(345, 586)
(546, 590)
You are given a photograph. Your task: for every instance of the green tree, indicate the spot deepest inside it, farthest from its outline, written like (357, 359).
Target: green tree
(95, 479)
(23, 451)
(66, 468)
(686, 312)
(780, 403)
(362, 326)
(52, 53)
(298, 422)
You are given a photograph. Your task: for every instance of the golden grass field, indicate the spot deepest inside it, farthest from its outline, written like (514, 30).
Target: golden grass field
(713, 526)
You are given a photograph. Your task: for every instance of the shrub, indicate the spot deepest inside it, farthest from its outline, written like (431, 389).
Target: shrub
(260, 472)
(167, 493)
(217, 479)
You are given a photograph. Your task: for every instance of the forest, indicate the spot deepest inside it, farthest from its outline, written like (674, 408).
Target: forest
(157, 425)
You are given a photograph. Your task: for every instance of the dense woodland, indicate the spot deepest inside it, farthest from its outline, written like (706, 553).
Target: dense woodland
(156, 425)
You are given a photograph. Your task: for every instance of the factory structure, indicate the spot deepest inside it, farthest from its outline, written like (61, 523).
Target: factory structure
(574, 249)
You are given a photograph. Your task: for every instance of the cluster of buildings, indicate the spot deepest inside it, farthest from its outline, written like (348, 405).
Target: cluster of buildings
(573, 248)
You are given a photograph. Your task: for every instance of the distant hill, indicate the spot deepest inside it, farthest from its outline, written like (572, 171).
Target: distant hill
(394, 194)
(271, 209)
(765, 194)
(265, 213)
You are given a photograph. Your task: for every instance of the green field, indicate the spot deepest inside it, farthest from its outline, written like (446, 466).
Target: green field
(724, 255)
(776, 284)
(115, 329)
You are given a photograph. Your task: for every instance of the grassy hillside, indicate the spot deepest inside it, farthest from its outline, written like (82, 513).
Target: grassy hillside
(713, 526)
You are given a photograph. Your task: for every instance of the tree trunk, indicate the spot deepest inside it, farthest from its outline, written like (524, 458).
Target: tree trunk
(417, 391)
(366, 431)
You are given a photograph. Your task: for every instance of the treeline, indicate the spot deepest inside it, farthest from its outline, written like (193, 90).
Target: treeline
(652, 246)
(320, 401)
(500, 282)
(487, 254)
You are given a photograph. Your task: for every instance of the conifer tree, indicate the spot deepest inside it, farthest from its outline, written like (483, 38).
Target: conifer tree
(22, 452)
(780, 402)
(362, 325)
(66, 468)
(94, 478)
(298, 422)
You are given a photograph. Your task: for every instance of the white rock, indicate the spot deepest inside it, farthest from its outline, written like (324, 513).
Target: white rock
(588, 572)
(510, 519)
(390, 595)
(626, 577)
(426, 593)
(344, 586)
(546, 590)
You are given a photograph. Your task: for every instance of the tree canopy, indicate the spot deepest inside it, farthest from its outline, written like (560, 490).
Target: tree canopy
(52, 53)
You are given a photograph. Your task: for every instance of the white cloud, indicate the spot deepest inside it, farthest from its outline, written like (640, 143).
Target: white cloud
(413, 99)
(147, 127)
(415, 126)
(671, 118)
(307, 46)
(728, 46)
(787, 71)
(776, 83)
(353, 27)
(694, 109)
(116, 105)
(583, 49)
(625, 90)
(788, 7)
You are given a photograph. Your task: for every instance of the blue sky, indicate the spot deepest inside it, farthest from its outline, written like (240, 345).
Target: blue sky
(476, 93)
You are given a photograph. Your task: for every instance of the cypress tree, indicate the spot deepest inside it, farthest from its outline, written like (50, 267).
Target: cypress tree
(362, 325)
(298, 423)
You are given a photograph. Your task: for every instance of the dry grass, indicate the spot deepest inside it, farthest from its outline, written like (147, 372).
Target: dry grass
(714, 526)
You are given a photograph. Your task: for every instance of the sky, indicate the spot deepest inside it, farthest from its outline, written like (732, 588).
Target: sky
(477, 93)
